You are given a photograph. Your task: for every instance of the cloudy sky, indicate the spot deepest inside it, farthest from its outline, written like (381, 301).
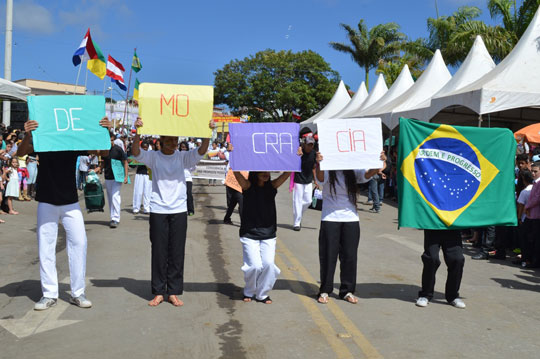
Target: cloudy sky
(184, 42)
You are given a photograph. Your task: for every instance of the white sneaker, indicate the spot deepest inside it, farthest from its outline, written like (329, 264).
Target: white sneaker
(81, 301)
(458, 303)
(45, 303)
(422, 302)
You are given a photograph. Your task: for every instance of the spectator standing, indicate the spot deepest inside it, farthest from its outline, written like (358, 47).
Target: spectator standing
(303, 188)
(112, 186)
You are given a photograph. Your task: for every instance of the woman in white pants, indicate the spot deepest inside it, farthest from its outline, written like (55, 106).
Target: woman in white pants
(112, 186)
(258, 233)
(142, 187)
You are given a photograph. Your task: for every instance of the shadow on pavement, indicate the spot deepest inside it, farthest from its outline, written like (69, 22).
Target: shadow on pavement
(31, 288)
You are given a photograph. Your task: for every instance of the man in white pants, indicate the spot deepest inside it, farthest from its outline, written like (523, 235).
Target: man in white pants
(111, 184)
(142, 187)
(302, 192)
(58, 201)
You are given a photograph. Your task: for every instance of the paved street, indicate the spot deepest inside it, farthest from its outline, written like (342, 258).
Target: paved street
(502, 318)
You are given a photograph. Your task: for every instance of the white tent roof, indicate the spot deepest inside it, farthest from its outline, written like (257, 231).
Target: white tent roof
(434, 77)
(12, 91)
(477, 63)
(340, 99)
(378, 91)
(402, 84)
(358, 99)
(514, 83)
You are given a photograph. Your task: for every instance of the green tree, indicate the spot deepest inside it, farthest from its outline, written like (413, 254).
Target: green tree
(392, 68)
(368, 46)
(270, 85)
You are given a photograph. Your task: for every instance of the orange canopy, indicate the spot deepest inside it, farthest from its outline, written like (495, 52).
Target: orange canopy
(530, 133)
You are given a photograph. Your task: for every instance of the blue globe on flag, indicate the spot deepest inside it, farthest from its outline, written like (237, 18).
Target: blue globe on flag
(448, 173)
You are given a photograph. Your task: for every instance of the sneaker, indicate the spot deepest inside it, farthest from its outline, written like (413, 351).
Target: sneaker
(189, 214)
(45, 303)
(422, 302)
(373, 210)
(113, 224)
(227, 221)
(135, 211)
(296, 228)
(81, 301)
(369, 202)
(458, 303)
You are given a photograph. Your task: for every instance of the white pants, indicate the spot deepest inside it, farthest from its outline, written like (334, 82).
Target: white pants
(260, 272)
(113, 196)
(302, 197)
(48, 217)
(142, 187)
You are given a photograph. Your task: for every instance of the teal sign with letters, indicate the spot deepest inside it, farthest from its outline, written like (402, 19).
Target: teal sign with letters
(68, 123)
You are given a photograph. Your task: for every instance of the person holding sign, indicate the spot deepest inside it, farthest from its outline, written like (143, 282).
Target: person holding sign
(114, 180)
(302, 192)
(258, 233)
(168, 212)
(339, 234)
(58, 201)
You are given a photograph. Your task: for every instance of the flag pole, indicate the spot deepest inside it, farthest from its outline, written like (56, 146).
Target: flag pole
(77, 81)
(86, 78)
(127, 92)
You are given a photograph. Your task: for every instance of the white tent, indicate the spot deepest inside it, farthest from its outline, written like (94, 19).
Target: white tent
(434, 77)
(378, 91)
(402, 84)
(477, 63)
(340, 99)
(358, 99)
(12, 91)
(513, 84)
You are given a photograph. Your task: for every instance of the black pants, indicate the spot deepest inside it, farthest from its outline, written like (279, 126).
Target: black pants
(233, 197)
(189, 193)
(168, 238)
(338, 239)
(450, 242)
(534, 242)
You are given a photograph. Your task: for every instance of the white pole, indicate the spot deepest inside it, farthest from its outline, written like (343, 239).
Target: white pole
(77, 81)
(7, 59)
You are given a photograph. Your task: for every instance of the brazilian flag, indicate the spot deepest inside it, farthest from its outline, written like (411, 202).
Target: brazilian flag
(452, 177)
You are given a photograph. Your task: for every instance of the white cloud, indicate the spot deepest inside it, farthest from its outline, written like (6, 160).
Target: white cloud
(32, 17)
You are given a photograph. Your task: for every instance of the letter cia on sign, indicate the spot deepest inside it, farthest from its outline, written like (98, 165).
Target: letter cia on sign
(354, 143)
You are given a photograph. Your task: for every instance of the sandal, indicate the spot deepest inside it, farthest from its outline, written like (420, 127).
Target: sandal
(323, 298)
(247, 299)
(350, 298)
(266, 300)
(158, 299)
(173, 299)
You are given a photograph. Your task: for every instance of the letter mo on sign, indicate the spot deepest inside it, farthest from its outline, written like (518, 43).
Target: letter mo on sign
(351, 141)
(264, 142)
(179, 104)
(64, 118)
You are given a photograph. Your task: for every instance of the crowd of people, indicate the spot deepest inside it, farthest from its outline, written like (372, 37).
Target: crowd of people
(163, 190)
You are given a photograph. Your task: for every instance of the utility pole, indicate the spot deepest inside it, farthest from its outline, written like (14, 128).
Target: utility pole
(436, 9)
(6, 117)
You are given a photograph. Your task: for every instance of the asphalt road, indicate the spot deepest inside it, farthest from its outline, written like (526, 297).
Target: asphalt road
(501, 319)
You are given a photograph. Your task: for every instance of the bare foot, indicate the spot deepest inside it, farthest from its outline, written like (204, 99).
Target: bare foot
(173, 299)
(247, 299)
(1, 221)
(158, 299)
(13, 212)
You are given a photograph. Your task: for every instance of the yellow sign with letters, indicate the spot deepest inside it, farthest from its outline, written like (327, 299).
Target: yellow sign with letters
(175, 110)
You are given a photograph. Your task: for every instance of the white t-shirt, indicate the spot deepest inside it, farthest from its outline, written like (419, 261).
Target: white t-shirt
(336, 206)
(523, 198)
(168, 179)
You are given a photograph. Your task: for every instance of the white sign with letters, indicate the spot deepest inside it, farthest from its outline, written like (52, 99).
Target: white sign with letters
(353, 143)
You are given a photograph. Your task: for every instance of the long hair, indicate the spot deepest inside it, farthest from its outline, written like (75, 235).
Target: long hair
(350, 183)
(253, 177)
(185, 144)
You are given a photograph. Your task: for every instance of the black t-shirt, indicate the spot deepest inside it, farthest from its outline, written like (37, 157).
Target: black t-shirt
(56, 181)
(259, 219)
(115, 153)
(308, 162)
(142, 170)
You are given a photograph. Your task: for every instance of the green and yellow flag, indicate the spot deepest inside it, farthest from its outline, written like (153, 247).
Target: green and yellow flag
(136, 90)
(452, 177)
(136, 63)
(97, 64)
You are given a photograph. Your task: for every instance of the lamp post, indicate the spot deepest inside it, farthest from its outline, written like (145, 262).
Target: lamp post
(6, 116)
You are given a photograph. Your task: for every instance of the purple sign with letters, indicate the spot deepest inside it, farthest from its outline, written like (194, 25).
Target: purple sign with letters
(265, 146)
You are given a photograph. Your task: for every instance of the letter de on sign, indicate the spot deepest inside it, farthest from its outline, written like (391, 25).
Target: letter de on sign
(179, 104)
(274, 141)
(59, 114)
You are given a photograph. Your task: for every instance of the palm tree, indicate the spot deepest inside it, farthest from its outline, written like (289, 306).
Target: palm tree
(392, 68)
(368, 46)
